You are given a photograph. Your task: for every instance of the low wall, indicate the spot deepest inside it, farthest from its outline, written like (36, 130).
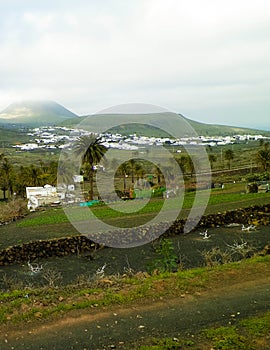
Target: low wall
(259, 215)
(46, 248)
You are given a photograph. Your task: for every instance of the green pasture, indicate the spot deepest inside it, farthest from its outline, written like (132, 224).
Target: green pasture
(217, 202)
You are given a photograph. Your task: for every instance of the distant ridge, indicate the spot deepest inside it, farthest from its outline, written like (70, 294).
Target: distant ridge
(221, 130)
(42, 113)
(201, 129)
(35, 113)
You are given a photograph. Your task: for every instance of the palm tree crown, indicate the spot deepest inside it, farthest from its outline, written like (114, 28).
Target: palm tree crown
(91, 150)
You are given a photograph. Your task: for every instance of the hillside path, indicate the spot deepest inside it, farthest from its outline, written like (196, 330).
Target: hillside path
(121, 327)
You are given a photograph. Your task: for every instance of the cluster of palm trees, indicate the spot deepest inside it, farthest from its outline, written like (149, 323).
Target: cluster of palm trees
(262, 156)
(228, 156)
(91, 151)
(14, 179)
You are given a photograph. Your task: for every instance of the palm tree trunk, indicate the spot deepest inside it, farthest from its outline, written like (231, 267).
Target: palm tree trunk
(125, 184)
(91, 182)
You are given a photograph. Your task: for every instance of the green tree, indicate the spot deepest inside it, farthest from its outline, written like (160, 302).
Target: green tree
(52, 172)
(7, 176)
(212, 159)
(139, 170)
(33, 174)
(229, 156)
(132, 164)
(64, 174)
(21, 181)
(158, 173)
(91, 150)
(263, 157)
(186, 164)
(189, 166)
(124, 170)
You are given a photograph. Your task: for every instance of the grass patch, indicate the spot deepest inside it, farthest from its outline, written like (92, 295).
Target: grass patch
(217, 198)
(29, 304)
(168, 344)
(227, 338)
(249, 334)
(257, 326)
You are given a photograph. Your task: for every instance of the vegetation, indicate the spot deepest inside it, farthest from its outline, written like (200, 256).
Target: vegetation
(19, 170)
(216, 203)
(98, 291)
(12, 210)
(20, 303)
(149, 130)
(229, 156)
(263, 156)
(91, 150)
(166, 260)
(248, 334)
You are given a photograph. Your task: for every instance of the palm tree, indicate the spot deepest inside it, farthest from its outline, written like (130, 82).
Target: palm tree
(64, 174)
(182, 162)
(186, 164)
(4, 185)
(212, 159)
(34, 175)
(263, 156)
(132, 165)
(229, 156)
(52, 172)
(91, 150)
(7, 176)
(124, 170)
(158, 174)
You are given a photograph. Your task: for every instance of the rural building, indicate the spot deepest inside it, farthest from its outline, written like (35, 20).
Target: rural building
(38, 196)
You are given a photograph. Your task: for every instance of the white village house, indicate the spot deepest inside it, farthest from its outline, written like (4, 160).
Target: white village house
(38, 196)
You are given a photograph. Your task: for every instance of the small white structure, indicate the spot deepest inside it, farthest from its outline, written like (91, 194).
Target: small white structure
(38, 196)
(78, 178)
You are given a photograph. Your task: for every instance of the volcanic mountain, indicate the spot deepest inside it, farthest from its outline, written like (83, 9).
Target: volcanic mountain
(35, 113)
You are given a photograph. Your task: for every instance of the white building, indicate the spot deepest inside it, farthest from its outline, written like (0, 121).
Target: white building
(38, 196)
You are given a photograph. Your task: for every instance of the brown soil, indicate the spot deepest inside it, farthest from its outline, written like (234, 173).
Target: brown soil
(236, 296)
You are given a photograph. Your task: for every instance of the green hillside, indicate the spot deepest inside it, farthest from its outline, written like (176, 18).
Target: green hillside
(42, 113)
(219, 130)
(12, 136)
(141, 129)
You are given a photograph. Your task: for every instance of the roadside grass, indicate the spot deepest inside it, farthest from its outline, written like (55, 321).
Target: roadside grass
(217, 201)
(40, 303)
(248, 334)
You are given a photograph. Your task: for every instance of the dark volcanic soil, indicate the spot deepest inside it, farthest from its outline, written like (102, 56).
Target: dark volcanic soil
(127, 327)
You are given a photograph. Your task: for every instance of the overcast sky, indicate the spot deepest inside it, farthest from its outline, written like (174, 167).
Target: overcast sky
(208, 60)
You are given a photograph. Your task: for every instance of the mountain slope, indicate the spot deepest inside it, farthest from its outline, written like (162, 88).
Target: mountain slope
(202, 129)
(35, 113)
(220, 130)
(42, 113)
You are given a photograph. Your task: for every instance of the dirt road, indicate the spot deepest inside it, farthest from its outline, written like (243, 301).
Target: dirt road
(125, 328)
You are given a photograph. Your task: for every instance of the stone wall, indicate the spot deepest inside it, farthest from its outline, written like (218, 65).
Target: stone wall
(46, 248)
(259, 215)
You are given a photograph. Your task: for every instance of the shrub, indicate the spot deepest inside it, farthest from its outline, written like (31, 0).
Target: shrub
(258, 177)
(166, 260)
(12, 210)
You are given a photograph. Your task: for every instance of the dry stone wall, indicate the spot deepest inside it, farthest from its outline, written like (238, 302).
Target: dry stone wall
(259, 215)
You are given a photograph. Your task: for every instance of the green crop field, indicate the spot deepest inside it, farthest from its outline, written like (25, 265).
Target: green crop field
(216, 200)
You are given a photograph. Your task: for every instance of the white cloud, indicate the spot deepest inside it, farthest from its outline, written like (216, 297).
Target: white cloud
(188, 56)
